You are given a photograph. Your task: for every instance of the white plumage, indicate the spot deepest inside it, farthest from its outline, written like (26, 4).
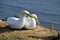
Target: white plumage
(26, 20)
(18, 23)
(31, 22)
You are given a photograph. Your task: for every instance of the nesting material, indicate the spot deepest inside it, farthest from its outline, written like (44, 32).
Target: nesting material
(3, 24)
(38, 33)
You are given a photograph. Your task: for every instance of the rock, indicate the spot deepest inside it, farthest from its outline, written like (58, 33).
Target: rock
(3, 24)
(39, 32)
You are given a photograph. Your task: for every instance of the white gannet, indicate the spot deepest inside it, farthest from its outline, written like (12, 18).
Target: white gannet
(31, 22)
(18, 23)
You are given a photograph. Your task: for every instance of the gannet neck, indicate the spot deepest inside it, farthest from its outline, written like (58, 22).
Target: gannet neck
(30, 23)
(21, 17)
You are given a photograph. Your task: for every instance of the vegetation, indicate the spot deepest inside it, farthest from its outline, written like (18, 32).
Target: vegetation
(39, 33)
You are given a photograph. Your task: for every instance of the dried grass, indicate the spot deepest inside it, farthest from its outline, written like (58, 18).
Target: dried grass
(39, 33)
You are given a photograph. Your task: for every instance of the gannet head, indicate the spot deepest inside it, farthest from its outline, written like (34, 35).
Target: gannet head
(35, 17)
(24, 13)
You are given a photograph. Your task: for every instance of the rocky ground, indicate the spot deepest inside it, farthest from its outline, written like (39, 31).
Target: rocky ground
(39, 33)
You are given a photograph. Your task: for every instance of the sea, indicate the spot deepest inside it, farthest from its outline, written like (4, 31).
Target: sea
(47, 10)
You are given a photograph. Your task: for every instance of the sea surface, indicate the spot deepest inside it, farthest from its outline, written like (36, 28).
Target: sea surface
(46, 10)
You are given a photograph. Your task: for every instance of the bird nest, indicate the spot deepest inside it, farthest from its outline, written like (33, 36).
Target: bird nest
(39, 32)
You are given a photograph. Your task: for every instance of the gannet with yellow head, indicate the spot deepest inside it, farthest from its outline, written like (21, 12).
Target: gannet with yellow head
(18, 23)
(31, 22)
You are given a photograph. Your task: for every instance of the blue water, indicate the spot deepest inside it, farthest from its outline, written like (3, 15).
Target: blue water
(47, 10)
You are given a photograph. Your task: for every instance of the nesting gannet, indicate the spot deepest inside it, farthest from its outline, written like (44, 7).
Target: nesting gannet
(31, 22)
(18, 23)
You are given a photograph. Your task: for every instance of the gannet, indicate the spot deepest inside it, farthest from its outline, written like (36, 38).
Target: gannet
(18, 23)
(31, 22)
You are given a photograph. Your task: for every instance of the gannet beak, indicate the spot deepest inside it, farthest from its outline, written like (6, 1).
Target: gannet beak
(37, 21)
(29, 15)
